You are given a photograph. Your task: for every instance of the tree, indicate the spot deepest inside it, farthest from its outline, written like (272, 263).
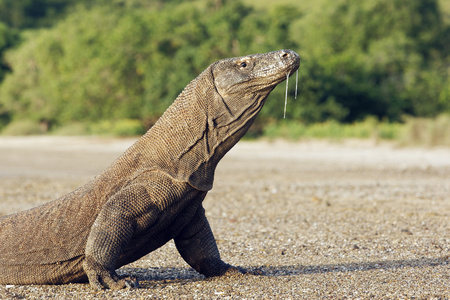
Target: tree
(372, 53)
(106, 63)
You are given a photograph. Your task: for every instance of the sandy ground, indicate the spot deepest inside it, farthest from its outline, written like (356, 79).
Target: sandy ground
(319, 220)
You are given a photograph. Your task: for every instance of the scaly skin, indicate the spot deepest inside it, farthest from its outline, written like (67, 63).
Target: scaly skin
(152, 193)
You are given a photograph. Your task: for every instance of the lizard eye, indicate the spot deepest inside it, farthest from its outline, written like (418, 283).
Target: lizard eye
(243, 64)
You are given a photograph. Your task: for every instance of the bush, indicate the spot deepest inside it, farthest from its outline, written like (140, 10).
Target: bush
(369, 128)
(126, 127)
(129, 59)
(24, 127)
(375, 57)
(428, 132)
(106, 63)
(73, 129)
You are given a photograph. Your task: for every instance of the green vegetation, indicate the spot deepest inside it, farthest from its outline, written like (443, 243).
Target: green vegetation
(414, 131)
(92, 67)
(369, 128)
(123, 127)
(105, 63)
(24, 127)
(429, 132)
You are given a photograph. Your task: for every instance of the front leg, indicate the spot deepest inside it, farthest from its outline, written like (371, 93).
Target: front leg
(110, 234)
(197, 246)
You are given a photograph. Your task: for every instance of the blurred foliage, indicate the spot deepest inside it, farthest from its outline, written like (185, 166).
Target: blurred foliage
(370, 128)
(24, 127)
(8, 38)
(376, 57)
(426, 131)
(123, 62)
(34, 13)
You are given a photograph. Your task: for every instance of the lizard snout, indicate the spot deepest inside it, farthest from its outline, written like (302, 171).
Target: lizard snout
(290, 58)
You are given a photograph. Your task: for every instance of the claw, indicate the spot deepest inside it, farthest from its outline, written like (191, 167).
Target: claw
(101, 278)
(232, 271)
(112, 281)
(132, 283)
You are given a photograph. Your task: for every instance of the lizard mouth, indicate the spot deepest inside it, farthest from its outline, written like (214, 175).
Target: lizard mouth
(282, 64)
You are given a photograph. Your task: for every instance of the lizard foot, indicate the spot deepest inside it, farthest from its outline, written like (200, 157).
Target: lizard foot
(233, 271)
(100, 278)
(112, 281)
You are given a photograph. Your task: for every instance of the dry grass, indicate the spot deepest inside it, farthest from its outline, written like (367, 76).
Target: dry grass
(413, 132)
(426, 132)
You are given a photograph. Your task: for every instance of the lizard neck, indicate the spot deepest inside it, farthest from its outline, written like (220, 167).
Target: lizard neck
(186, 142)
(182, 142)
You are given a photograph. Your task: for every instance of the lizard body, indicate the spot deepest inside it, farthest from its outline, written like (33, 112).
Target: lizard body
(152, 193)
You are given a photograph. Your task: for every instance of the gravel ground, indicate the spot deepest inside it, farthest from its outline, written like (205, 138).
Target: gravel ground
(318, 220)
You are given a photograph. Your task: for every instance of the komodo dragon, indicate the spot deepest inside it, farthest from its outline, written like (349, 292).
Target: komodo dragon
(152, 193)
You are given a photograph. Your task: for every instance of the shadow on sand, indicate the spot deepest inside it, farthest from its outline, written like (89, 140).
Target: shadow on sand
(185, 275)
(352, 267)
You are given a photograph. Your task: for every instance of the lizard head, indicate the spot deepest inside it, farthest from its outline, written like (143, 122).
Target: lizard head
(243, 84)
(215, 110)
